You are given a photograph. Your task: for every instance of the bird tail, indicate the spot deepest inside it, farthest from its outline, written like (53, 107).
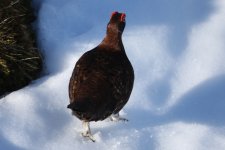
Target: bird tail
(82, 105)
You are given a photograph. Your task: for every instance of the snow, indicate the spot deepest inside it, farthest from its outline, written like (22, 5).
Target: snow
(177, 50)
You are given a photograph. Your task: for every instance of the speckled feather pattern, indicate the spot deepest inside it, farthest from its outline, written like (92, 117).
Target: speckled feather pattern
(101, 82)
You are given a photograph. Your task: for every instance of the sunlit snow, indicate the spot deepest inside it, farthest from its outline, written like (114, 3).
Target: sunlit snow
(177, 50)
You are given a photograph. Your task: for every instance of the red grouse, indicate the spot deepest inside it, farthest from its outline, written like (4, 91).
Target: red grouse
(102, 79)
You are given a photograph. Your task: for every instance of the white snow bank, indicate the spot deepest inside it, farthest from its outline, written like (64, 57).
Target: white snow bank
(204, 56)
(177, 101)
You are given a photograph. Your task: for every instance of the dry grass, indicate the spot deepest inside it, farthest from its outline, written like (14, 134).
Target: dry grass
(20, 60)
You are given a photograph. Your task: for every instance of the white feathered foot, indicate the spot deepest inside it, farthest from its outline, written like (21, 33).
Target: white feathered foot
(116, 118)
(87, 131)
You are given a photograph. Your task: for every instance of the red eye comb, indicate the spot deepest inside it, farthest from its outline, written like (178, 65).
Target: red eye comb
(115, 12)
(122, 18)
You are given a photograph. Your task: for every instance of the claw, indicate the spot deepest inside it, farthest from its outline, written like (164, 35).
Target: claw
(88, 136)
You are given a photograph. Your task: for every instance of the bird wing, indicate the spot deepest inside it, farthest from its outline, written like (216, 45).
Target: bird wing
(88, 79)
(101, 79)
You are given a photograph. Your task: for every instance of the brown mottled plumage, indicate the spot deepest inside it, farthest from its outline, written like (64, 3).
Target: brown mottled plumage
(103, 77)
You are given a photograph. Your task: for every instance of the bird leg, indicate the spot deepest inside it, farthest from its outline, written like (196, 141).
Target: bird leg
(87, 131)
(116, 117)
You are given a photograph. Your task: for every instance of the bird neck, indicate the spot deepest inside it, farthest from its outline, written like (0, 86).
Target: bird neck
(113, 42)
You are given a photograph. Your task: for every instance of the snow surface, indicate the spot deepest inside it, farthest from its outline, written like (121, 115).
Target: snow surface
(177, 49)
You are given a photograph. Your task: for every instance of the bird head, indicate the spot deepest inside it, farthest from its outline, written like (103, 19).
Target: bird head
(117, 23)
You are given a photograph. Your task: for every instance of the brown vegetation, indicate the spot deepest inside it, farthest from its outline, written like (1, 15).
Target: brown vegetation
(20, 60)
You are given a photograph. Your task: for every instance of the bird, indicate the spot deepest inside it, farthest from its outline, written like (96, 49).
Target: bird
(102, 79)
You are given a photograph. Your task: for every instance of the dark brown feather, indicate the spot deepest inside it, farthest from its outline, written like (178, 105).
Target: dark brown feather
(103, 77)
